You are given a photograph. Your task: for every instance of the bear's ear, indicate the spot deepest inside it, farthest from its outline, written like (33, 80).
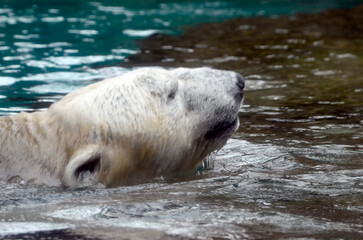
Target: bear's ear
(83, 167)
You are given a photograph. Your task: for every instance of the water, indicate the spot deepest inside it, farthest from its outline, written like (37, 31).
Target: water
(266, 195)
(49, 48)
(294, 168)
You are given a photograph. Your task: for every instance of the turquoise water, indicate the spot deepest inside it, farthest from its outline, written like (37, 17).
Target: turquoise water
(49, 48)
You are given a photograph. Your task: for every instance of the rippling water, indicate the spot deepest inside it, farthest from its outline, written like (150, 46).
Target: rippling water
(270, 193)
(293, 170)
(49, 48)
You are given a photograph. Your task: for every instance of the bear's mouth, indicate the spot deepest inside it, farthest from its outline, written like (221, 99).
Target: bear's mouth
(222, 128)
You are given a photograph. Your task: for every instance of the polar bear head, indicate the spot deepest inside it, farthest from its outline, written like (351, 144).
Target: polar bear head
(148, 122)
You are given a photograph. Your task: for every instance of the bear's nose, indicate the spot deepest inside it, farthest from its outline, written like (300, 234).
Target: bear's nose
(240, 81)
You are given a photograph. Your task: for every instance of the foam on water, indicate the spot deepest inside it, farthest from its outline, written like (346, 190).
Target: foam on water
(8, 228)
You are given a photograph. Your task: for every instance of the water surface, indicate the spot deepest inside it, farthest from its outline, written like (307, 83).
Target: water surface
(49, 48)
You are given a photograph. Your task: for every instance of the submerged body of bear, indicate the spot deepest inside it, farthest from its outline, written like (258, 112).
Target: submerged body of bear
(146, 123)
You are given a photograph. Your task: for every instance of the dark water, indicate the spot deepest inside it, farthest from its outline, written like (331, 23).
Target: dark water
(293, 170)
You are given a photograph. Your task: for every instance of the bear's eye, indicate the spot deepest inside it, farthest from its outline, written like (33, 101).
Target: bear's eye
(171, 95)
(172, 87)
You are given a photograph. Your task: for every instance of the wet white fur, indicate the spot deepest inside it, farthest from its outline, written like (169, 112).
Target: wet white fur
(145, 123)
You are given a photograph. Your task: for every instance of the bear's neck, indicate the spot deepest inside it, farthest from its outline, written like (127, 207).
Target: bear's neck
(27, 149)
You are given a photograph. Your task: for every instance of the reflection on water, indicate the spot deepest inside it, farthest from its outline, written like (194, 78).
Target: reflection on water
(294, 168)
(48, 47)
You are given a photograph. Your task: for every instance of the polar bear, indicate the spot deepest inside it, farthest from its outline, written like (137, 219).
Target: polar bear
(146, 123)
